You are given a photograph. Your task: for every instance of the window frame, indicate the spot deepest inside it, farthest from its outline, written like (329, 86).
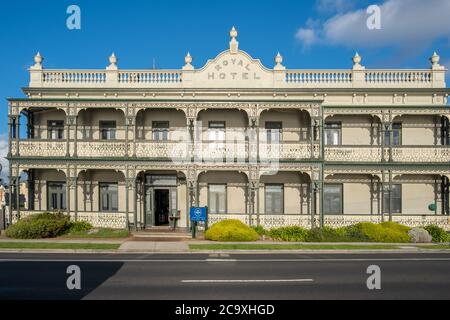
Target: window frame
(339, 124)
(269, 130)
(386, 200)
(387, 135)
(100, 194)
(60, 130)
(64, 194)
(103, 128)
(282, 209)
(209, 197)
(341, 209)
(212, 129)
(162, 132)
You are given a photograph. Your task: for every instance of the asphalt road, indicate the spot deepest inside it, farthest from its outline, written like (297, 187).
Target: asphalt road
(224, 277)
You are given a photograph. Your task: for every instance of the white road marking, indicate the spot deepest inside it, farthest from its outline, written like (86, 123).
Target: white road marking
(221, 260)
(247, 281)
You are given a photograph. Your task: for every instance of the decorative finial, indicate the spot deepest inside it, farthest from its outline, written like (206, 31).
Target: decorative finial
(435, 58)
(38, 59)
(279, 61)
(188, 60)
(113, 60)
(234, 44)
(357, 59)
(357, 62)
(233, 33)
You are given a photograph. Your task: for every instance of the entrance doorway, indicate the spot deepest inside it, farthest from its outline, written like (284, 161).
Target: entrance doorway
(162, 207)
(160, 199)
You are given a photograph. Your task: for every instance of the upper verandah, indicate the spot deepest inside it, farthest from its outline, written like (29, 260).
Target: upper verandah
(234, 69)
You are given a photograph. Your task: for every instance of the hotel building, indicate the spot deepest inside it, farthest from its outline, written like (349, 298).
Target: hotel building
(269, 146)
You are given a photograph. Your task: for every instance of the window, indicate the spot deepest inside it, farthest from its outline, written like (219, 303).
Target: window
(217, 198)
(396, 134)
(216, 131)
(274, 199)
(56, 196)
(332, 199)
(160, 130)
(87, 132)
(107, 130)
(109, 200)
(55, 130)
(274, 132)
(333, 134)
(395, 205)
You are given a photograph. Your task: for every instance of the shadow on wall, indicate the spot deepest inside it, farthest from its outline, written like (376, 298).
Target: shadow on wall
(48, 280)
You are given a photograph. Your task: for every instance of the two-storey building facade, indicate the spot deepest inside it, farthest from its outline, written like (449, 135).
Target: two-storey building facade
(271, 147)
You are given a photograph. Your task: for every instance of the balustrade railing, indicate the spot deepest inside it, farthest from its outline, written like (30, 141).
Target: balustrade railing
(413, 154)
(319, 76)
(333, 221)
(350, 78)
(230, 151)
(150, 77)
(71, 77)
(435, 154)
(353, 153)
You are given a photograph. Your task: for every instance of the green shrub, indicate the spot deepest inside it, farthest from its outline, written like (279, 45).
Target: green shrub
(291, 234)
(439, 235)
(40, 226)
(395, 226)
(231, 230)
(260, 230)
(367, 231)
(328, 234)
(79, 226)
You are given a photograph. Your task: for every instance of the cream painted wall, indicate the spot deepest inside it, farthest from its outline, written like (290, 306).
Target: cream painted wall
(296, 125)
(236, 189)
(294, 184)
(417, 130)
(416, 198)
(356, 198)
(176, 119)
(355, 129)
(235, 123)
(93, 117)
(41, 121)
(41, 179)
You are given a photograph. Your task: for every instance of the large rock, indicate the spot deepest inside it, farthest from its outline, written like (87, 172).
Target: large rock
(420, 235)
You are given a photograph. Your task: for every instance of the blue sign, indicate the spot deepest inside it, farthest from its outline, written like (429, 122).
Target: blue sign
(199, 214)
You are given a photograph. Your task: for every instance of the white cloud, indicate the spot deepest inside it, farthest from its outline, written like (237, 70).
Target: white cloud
(405, 23)
(3, 153)
(308, 37)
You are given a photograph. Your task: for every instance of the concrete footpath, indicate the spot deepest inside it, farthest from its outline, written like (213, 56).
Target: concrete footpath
(154, 247)
(149, 247)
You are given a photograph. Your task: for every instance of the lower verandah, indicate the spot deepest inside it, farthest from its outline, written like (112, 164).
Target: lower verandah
(282, 199)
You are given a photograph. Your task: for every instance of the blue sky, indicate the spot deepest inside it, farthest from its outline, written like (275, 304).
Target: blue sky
(309, 34)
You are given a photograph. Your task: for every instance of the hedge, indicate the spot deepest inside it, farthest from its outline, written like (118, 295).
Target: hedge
(40, 226)
(386, 232)
(231, 230)
(439, 235)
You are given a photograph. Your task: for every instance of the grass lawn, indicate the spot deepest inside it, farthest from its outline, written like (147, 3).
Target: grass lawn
(50, 245)
(436, 247)
(99, 234)
(255, 246)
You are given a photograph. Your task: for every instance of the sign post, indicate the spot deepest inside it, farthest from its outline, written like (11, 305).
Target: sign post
(198, 214)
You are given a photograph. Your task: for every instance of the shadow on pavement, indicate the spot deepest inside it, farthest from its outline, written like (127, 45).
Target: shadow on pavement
(48, 280)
